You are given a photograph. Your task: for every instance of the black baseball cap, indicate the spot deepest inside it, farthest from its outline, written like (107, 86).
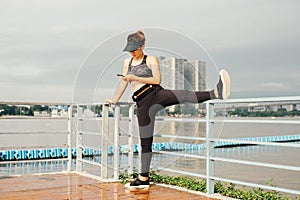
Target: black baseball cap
(132, 45)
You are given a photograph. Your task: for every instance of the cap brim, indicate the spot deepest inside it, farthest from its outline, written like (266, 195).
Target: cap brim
(131, 47)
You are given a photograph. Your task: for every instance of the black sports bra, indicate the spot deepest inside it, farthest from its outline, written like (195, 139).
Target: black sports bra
(141, 70)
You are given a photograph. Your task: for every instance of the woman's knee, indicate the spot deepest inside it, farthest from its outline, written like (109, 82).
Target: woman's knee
(146, 144)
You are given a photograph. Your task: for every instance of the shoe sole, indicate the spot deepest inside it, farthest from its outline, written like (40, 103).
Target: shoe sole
(225, 78)
(136, 188)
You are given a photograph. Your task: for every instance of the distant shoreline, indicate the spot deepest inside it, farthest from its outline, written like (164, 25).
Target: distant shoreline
(28, 117)
(159, 118)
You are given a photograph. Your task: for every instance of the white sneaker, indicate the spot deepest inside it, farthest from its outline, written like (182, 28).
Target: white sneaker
(137, 187)
(223, 86)
(137, 184)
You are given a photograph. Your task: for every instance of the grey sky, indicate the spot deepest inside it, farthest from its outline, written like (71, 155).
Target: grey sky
(44, 43)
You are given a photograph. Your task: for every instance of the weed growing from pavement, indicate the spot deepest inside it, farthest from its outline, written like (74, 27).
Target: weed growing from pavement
(225, 189)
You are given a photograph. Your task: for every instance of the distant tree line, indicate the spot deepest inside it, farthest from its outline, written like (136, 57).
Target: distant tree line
(282, 112)
(21, 110)
(184, 109)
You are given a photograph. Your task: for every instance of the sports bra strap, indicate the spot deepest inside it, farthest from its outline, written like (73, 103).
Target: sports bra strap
(141, 70)
(130, 61)
(143, 61)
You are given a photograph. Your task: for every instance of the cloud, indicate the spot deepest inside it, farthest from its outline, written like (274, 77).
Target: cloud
(36, 93)
(18, 72)
(273, 86)
(258, 41)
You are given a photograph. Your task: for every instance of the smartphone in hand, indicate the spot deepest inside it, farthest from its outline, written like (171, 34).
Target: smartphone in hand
(120, 75)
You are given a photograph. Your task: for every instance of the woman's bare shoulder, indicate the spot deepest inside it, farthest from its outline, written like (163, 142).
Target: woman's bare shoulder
(126, 62)
(152, 58)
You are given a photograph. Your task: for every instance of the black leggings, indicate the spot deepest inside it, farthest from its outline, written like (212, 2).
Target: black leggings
(147, 108)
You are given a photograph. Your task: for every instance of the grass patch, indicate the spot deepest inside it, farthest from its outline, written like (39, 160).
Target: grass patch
(225, 189)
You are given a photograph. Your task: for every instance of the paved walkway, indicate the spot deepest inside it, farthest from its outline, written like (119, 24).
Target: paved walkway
(73, 186)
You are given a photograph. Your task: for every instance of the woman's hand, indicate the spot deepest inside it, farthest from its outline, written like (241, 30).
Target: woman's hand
(128, 77)
(110, 101)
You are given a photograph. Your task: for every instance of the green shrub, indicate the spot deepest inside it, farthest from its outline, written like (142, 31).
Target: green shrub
(225, 189)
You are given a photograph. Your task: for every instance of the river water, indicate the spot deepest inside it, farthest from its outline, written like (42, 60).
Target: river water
(20, 133)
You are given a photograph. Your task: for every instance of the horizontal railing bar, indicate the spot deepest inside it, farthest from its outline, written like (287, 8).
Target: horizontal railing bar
(279, 144)
(89, 118)
(90, 133)
(251, 100)
(256, 185)
(216, 101)
(124, 165)
(99, 118)
(32, 147)
(259, 164)
(244, 100)
(171, 119)
(182, 172)
(34, 103)
(125, 103)
(102, 103)
(260, 121)
(33, 132)
(31, 161)
(179, 154)
(14, 117)
(90, 162)
(90, 104)
(88, 147)
(180, 137)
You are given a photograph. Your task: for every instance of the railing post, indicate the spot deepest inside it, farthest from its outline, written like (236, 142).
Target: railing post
(104, 142)
(209, 147)
(70, 120)
(116, 142)
(79, 122)
(130, 139)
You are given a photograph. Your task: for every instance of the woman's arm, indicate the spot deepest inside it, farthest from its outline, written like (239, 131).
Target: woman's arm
(121, 87)
(156, 79)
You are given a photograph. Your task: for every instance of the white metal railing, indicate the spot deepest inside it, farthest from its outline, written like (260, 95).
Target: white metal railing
(210, 140)
(104, 135)
(210, 150)
(24, 133)
(75, 125)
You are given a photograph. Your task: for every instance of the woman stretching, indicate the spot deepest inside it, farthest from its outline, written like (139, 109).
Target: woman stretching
(143, 74)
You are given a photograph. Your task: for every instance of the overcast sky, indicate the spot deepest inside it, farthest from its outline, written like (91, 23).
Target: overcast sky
(43, 44)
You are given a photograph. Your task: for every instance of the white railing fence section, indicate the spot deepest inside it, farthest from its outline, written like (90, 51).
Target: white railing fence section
(210, 140)
(108, 167)
(23, 148)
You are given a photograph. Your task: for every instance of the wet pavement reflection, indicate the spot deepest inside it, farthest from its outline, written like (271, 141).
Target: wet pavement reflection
(73, 186)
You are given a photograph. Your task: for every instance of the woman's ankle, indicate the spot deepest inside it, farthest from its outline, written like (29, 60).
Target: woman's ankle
(213, 94)
(144, 176)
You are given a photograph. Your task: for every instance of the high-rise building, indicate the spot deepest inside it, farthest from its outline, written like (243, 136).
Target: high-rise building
(179, 74)
(195, 75)
(172, 73)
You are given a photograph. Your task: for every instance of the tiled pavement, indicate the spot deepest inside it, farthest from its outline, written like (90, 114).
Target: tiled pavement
(73, 186)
